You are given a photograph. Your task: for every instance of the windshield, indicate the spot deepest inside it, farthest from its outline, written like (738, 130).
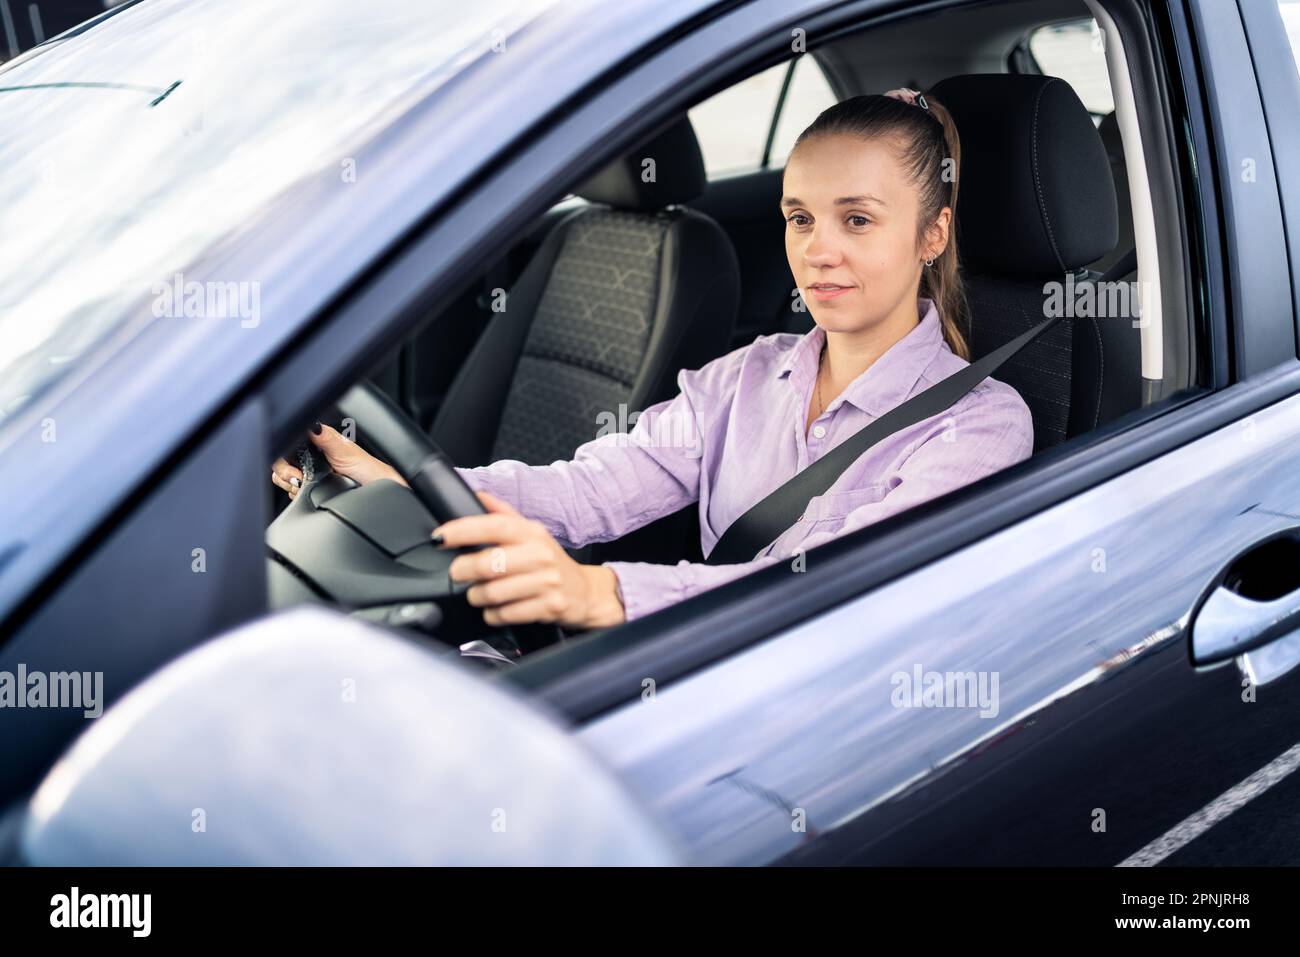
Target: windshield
(133, 146)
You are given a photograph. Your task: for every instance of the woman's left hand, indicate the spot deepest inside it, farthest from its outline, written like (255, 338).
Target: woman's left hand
(527, 576)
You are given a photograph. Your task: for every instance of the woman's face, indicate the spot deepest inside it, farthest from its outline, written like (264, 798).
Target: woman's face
(850, 237)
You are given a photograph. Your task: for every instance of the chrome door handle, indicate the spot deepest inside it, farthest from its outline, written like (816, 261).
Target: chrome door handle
(1229, 624)
(1246, 616)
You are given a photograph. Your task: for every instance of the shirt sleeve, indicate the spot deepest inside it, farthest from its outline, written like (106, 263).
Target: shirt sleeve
(617, 482)
(987, 436)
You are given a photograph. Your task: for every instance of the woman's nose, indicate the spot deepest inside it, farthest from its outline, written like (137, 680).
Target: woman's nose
(821, 250)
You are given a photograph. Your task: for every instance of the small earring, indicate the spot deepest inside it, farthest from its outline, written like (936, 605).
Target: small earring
(929, 262)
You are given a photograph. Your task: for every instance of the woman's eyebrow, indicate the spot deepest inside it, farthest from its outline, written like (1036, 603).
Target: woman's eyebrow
(842, 201)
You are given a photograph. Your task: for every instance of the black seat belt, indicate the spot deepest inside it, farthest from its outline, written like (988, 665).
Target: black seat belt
(766, 521)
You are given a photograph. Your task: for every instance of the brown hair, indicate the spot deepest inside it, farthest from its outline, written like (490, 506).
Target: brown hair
(924, 145)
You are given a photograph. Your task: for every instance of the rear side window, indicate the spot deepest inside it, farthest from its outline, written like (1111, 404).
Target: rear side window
(750, 126)
(808, 95)
(1076, 52)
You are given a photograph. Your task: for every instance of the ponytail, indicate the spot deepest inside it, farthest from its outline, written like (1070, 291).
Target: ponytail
(942, 282)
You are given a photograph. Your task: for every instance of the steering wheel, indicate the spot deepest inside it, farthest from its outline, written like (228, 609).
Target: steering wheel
(368, 547)
(391, 434)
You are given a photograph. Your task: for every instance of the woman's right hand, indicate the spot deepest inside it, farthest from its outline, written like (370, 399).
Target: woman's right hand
(345, 457)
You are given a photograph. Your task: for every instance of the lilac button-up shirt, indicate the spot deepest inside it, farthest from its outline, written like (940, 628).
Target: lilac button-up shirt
(735, 432)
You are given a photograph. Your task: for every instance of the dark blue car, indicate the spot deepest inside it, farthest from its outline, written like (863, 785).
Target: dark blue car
(221, 221)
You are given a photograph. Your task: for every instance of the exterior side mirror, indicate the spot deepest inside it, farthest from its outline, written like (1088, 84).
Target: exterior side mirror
(309, 738)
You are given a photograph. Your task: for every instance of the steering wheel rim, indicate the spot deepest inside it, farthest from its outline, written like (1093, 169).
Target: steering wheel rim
(394, 436)
(385, 429)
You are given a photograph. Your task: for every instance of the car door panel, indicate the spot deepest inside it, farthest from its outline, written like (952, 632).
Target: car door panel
(186, 562)
(1079, 615)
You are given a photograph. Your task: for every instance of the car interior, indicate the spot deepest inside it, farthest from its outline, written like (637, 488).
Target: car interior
(624, 282)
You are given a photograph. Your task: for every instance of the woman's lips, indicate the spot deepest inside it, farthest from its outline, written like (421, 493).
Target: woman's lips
(827, 291)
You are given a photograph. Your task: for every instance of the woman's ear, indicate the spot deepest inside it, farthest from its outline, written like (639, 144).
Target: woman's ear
(936, 235)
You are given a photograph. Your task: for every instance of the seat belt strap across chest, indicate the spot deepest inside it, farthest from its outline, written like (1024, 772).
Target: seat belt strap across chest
(767, 520)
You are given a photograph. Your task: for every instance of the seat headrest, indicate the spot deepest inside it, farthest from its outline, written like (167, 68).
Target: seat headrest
(1036, 198)
(678, 173)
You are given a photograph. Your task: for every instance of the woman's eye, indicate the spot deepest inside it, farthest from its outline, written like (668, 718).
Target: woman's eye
(798, 219)
(859, 221)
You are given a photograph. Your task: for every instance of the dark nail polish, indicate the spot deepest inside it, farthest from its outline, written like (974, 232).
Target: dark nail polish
(315, 429)
(437, 539)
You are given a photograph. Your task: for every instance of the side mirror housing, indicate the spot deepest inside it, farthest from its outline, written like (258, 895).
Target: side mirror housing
(309, 738)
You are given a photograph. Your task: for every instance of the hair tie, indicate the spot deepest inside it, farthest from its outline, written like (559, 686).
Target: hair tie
(912, 97)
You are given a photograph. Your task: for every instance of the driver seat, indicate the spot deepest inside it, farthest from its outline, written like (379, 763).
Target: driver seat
(621, 294)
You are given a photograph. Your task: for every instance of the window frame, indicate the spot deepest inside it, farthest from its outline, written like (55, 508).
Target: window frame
(1280, 95)
(1254, 247)
(766, 161)
(777, 114)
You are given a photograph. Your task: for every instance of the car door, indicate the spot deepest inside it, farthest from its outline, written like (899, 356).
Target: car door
(1068, 687)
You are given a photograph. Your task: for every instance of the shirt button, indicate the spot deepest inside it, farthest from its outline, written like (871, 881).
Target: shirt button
(819, 431)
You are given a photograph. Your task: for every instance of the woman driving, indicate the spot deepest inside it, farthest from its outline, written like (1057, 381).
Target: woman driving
(869, 198)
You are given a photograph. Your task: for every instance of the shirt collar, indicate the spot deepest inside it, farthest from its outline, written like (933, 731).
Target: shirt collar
(887, 381)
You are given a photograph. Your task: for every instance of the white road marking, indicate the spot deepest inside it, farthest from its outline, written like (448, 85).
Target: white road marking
(1230, 800)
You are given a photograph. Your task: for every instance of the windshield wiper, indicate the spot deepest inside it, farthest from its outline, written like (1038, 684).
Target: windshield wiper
(159, 93)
